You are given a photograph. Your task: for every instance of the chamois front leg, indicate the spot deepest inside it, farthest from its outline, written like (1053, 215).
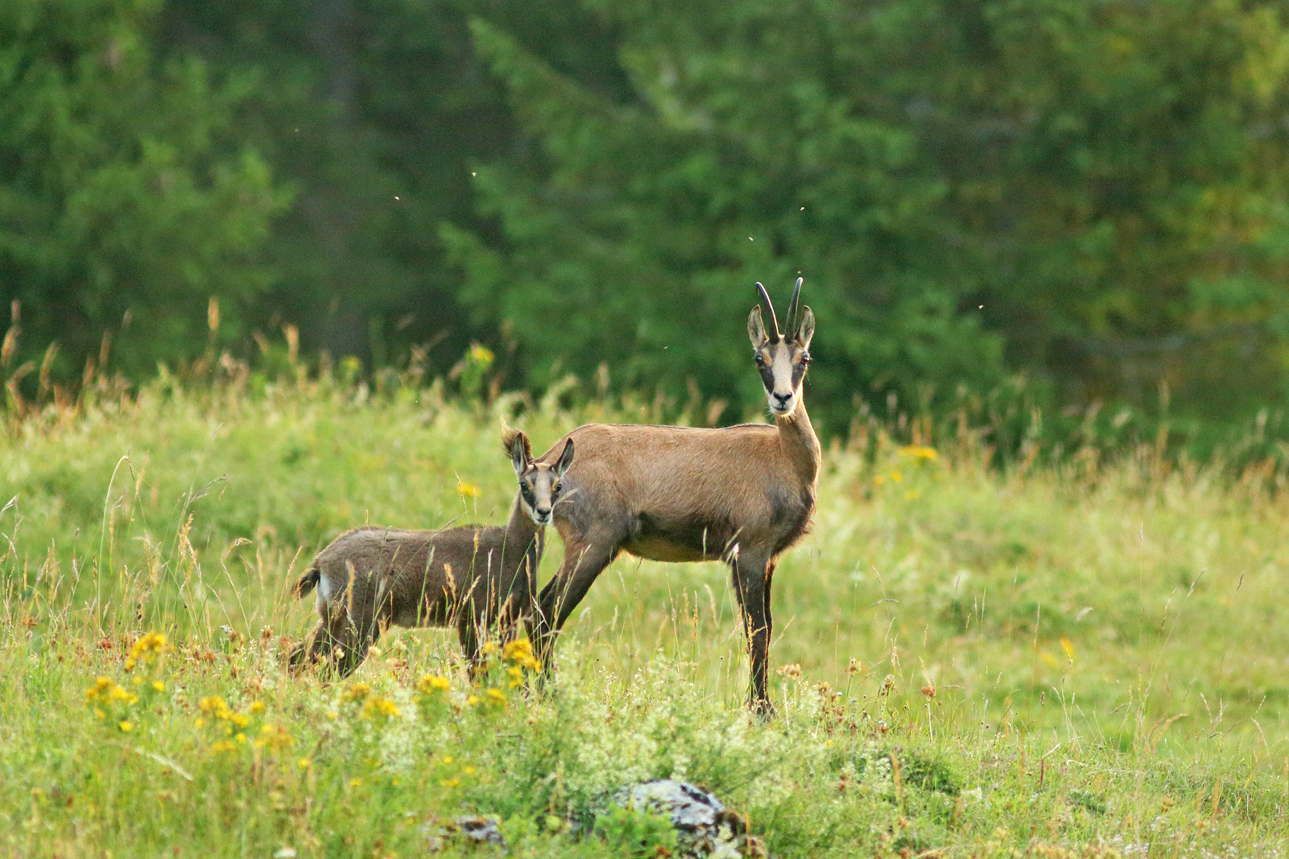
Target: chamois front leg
(583, 562)
(752, 573)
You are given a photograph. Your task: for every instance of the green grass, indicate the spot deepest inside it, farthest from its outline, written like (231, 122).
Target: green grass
(1078, 660)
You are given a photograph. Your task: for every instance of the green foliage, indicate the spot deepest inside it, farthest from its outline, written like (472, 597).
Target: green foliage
(1119, 171)
(125, 199)
(1091, 191)
(636, 833)
(744, 154)
(1030, 663)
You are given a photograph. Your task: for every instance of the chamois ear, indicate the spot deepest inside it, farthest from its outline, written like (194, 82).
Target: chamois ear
(565, 459)
(521, 455)
(806, 329)
(756, 328)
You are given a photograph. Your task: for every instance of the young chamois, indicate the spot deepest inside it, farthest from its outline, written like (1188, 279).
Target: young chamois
(742, 494)
(469, 577)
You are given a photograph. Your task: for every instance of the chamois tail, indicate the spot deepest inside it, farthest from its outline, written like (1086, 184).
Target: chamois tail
(307, 582)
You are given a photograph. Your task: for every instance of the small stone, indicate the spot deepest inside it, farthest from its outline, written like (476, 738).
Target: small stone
(483, 830)
(475, 830)
(705, 828)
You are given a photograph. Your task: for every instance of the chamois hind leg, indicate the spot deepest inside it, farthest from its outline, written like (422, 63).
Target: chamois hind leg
(468, 631)
(583, 562)
(752, 572)
(311, 649)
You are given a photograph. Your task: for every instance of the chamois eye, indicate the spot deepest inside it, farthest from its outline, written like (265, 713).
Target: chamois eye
(805, 357)
(760, 359)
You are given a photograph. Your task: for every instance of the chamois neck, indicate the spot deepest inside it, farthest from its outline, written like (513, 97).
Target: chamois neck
(521, 526)
(800, 442)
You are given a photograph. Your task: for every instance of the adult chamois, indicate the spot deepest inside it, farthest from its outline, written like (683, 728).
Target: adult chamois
(741, 494)
(470, 577)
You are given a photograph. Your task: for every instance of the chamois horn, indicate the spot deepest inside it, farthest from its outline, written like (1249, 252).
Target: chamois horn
(774, 320)
(794, 307)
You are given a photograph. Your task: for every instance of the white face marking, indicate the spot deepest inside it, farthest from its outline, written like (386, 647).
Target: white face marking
(782, 359)
(782, 396)
(541, 485)
(538, 492)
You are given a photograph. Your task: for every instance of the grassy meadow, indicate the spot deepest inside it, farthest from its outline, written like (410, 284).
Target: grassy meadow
(1085, 659)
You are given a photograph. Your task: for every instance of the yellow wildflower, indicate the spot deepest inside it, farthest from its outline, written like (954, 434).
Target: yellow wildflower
(431, 682)
(357, 692)
(520, 652)
(100, 690)
(126, 726)
(212, 704)
(382, 708)
(146, 649)
(920, 453)
(275, 736)
(120, 694)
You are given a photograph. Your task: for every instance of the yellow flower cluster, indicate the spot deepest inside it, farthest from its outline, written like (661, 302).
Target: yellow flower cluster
(107, 694)
(275, 737)
(379, 708)
(229, 745)
(218, 708)
(431, 683)
(106, 691)
(516, 676)
(491, 696)
(520, 653)
(920, 453)
(147, 649)
(357, 692)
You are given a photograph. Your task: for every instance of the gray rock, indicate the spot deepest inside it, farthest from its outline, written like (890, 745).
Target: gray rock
(481, 830)
(477, 830)
(704, 826)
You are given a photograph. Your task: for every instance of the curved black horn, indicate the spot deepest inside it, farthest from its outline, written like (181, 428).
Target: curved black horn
(794, 318)
(774, 320)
